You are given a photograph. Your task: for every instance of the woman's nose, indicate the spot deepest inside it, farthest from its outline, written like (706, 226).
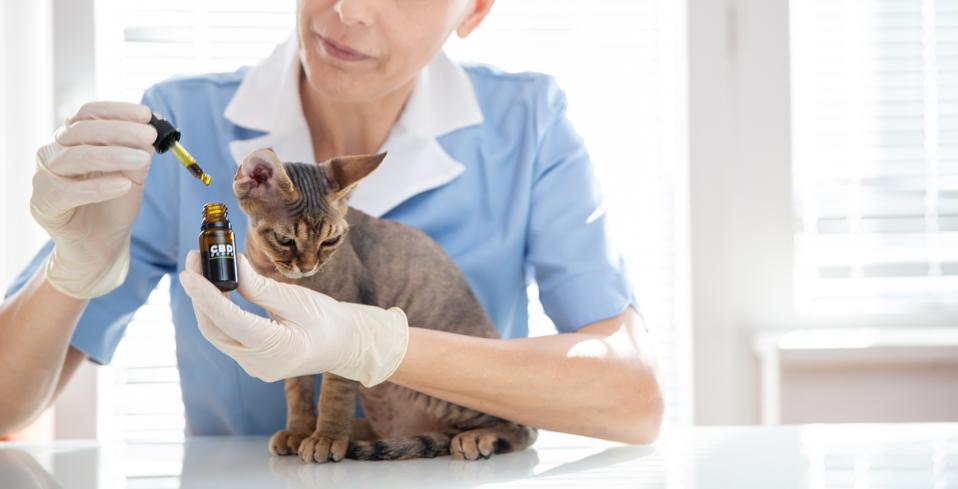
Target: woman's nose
(353, 12)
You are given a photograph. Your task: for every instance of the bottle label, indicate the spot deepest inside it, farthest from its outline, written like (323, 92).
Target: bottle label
(221, 251)
(219, 265)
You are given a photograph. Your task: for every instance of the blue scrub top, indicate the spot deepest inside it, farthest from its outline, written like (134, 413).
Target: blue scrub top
(526, 207)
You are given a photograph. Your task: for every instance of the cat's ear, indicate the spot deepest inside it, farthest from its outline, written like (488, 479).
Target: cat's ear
(344, 172)
(261, 176)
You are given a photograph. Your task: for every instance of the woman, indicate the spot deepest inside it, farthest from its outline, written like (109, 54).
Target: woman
(484, 162)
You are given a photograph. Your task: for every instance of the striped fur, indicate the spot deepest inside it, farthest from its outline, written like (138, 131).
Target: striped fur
(502, 437)
(426, 445)
(310, 182)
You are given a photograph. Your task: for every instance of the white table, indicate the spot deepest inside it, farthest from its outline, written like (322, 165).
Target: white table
(813, 456)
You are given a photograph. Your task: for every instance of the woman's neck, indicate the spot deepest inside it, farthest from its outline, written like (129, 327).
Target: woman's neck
(338, 128)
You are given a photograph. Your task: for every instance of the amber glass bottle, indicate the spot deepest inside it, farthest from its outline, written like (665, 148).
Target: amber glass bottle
(217, 248)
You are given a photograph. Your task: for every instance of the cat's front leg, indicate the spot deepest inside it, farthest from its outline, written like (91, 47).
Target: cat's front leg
(337, 403)
(300, 416)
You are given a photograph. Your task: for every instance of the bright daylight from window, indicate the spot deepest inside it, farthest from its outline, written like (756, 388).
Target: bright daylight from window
(776, 180)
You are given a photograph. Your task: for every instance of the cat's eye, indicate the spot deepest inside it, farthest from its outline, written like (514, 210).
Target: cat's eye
(333, 241)
(283, 240)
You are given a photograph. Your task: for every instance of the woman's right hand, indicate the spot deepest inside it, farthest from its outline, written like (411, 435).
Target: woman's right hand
(87, 191)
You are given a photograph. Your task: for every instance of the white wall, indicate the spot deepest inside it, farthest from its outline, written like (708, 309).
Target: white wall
(880, 386)
(740, 194)
(74, 78)
(26, 121)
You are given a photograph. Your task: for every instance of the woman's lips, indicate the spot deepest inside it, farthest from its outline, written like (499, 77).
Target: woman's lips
(340, 51)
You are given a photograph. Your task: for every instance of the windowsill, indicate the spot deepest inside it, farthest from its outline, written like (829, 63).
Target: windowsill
(857, 346)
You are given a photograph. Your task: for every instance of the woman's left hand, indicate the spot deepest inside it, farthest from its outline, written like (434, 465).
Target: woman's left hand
(307, 333)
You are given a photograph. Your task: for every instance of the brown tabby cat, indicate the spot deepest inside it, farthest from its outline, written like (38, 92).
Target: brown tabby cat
(302, 231)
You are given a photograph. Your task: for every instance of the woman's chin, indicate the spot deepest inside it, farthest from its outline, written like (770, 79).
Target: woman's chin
(343, 84)
(343, 89)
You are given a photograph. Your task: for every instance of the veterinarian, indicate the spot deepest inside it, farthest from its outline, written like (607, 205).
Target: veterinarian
(484, 162)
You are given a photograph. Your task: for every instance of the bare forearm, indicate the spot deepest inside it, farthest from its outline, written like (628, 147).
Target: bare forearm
(35, 329)
(595, 384)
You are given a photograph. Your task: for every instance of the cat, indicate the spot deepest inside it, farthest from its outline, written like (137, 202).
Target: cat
(302, 231)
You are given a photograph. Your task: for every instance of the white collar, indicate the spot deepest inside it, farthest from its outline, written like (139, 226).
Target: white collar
(442, 101)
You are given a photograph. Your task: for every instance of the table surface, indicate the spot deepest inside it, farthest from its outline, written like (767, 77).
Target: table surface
(815, 456)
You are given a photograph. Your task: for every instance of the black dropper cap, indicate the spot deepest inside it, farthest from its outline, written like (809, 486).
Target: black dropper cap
(167, 138)
(166, 134)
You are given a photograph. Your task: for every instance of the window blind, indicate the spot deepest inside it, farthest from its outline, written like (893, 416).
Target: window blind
(141, 395)
(615, 60)
(875, 132)
(141, 43)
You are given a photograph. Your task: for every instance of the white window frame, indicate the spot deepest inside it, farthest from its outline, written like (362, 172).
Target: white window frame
(742, 234)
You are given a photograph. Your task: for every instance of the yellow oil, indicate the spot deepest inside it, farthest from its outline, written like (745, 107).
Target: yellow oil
(190, 163)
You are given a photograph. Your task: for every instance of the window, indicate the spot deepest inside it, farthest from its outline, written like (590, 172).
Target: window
(875, 127)
(140, 396)
(141, 43)
(616, 59)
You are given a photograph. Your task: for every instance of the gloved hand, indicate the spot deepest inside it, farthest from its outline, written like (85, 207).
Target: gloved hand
(87, 190)
(308, 333)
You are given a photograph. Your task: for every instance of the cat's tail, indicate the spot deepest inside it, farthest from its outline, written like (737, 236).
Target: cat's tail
(426, 445)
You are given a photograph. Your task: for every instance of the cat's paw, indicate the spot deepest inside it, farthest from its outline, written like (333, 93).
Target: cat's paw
(474, 444)
(322, 449)
(286, 442)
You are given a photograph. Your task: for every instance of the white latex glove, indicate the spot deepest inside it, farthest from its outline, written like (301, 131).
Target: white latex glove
(308, 332)
(87, 190)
